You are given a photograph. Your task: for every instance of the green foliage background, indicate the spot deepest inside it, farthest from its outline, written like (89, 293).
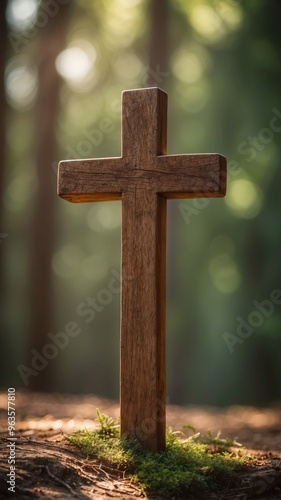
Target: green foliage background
(223, 79)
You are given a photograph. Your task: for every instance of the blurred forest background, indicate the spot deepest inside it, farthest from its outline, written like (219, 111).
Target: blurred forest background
(63, 66)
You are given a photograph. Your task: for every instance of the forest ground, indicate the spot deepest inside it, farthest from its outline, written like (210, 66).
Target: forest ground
(47, 466)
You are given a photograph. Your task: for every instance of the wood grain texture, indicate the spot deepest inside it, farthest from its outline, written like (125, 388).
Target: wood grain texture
(143, 177)
(143, 317)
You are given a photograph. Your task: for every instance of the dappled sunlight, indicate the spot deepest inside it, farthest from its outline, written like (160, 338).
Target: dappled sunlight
(230, 12)
(127, 4)
(223, 269)
(244, 198)
(76, 65)
(213, 21)
(68, 413)
(190, 62)
(206, 21)
(21, 14)
(109, 217)
(66, 64)
(21, 83)
(187, 66)
(224, 273)
(128, 66)
(124, 22)
(235, 417)
(104, 216)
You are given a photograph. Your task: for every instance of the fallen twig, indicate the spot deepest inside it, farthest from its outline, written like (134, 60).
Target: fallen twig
(55, 478)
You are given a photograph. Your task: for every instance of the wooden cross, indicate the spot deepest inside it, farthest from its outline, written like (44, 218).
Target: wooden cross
(144, 177)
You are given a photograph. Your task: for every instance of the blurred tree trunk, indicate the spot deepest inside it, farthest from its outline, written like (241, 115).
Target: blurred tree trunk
(157, 71)
(181, 349)
(51, 43)
(3, 57)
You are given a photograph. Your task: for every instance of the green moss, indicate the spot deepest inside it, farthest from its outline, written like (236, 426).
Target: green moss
(188, 465)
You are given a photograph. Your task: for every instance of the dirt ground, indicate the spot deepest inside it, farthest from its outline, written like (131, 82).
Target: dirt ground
(47, 466)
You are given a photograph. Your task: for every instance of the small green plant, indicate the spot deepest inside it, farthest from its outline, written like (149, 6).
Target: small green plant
(216, 442)
(188, 465)
(108, 426)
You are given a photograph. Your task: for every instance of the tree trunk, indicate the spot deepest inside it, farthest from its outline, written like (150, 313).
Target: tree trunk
(157, 71)
(51, 42)
(3, 57)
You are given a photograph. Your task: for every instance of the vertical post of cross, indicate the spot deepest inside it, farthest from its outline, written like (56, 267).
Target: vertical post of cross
(143, 380)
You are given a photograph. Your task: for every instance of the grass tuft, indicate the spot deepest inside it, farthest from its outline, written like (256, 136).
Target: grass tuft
(188, 465)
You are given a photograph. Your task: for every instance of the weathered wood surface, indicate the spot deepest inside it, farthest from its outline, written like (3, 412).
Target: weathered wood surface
(143, 178)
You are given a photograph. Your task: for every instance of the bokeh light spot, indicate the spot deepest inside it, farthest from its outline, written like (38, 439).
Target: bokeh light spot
(109, 217)
(105, 216)
(230, 13)
(76, 65)
(20, 83)
(206, 21)
(187, 66)
(21, 13)
(224, 273)
(128, 66)
(244, 198)
(124, 21)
